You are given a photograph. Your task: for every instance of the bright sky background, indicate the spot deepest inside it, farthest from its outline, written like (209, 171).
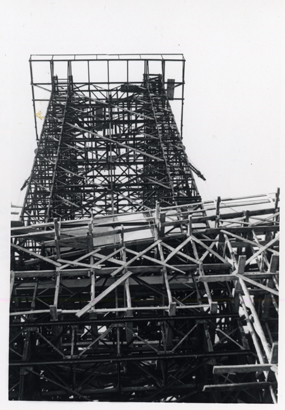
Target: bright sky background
(233, 50)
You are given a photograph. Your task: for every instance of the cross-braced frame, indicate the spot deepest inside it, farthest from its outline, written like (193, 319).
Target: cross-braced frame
(125, 286)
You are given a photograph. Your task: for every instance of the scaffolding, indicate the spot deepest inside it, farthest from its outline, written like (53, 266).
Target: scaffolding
(125, 285)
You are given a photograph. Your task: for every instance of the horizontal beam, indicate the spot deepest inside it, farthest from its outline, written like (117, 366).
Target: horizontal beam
(117, 319)
(135, 269)
(113, 359)
(237, 386)
(244, 368)
(246, 277)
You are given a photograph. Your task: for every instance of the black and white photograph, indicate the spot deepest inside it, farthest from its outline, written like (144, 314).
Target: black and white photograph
(140, 207)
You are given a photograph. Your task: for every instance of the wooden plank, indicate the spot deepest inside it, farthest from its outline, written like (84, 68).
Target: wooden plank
(217, 221)
(277, 197)
(216, 278)
(112, 310)
(72, 342)
(65, 241)
(103, 294)
(135, 269)
(207, 252)
(56, 293)
(190, 227)
(102, 335)
(195, 250)
(33, 228)
(128, 293)
(274, 353)
(164, 272)
(264, 248)
(92, 291)
(244, 240)
(172, 309)
(81, 258)
(177, 249)
(257, 284)
(241, 264)
(53, 312)
(257, 324)
(232, 253)
(33, 303)
(264, 259)
(138, 255)
(244, 368)
(44, 258)
(31, 312)
(171, 267)
(273, 263)
(233, 276)
(180, 253)
(57, 237)
(161, 227)
(110, 258)
(157, 214)
(236, 386)
(12, 280)
(86, 265)
(207, 247)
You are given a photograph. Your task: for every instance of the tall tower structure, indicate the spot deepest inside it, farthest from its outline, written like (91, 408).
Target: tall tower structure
(125, 286)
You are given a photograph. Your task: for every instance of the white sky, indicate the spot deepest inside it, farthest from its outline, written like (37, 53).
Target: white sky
(233, 50)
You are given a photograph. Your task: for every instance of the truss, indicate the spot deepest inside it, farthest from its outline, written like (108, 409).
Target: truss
(139, 307)
(109, 148)
(125, 286)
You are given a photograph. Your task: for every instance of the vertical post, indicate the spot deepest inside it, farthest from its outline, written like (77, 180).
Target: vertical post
(12, 280)
(129, 313)
(57, 237)
(189, 225)
(277, 197)
(171, 325)
(163, 71)
(217, 222)
(89, 91)
(92, 313)
(157, 214)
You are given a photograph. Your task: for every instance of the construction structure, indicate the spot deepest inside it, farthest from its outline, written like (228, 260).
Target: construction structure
(125, 285)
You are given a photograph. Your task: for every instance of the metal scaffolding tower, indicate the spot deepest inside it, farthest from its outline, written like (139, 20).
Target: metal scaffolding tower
(125, 285)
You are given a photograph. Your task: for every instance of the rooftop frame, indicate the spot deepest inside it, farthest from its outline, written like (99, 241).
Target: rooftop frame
(105, 70)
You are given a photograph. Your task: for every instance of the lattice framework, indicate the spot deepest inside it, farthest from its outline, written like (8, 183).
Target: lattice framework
(125, 286)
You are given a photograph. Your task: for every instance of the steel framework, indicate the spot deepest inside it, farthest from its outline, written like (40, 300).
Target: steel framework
(125, 286)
